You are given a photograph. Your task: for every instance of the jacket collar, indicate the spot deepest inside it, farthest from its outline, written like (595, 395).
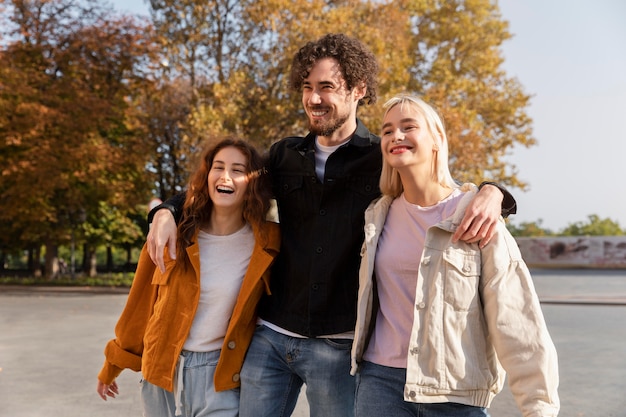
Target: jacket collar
(375, 216)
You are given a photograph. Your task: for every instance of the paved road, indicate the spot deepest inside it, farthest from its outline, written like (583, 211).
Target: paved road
(51, 349)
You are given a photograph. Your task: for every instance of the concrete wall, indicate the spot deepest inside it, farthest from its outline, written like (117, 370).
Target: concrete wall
(574, 252)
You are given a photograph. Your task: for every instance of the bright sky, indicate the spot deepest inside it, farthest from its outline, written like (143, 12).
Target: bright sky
(571, 57)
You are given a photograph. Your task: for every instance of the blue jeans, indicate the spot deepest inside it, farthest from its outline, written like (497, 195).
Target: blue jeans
(277, 365)
(380, 393)
(198, 398)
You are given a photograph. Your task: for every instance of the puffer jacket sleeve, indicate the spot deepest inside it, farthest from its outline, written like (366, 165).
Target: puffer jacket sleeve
(126, 349)
(517, 327)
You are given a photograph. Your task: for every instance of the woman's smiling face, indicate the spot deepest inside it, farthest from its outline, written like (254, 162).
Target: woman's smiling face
(406, 138)
(228, 178)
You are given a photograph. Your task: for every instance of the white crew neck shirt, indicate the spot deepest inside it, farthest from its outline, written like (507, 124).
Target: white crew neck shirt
(223, 264)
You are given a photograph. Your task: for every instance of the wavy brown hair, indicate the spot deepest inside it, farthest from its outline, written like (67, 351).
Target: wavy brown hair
(198, 205)
(358, 65)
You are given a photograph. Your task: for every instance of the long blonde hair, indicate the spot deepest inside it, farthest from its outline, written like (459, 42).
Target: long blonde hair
(390, 182)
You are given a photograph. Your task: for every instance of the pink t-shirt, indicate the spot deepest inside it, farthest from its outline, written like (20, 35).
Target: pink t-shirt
(398, 256)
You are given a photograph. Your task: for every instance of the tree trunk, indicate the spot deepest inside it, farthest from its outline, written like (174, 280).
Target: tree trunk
(93, 270)
(52, 261)
(129, 255)
(34, 264)
(86, 259)
(109, 266)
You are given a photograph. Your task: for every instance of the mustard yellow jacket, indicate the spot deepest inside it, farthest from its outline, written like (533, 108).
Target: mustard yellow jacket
(154, 325)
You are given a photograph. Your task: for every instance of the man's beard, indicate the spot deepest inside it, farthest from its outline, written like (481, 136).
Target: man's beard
(326, 129)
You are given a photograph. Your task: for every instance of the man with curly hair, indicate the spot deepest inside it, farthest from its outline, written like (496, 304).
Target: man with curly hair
(322, 183)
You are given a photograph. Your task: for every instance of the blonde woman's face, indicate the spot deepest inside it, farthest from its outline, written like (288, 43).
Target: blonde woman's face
(405, 138)
(228, 179)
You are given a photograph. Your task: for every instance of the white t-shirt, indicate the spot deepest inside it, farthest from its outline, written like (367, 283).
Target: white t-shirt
(223, 263)
(321, 156)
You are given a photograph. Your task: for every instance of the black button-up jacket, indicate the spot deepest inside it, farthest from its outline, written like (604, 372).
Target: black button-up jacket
(315, 277)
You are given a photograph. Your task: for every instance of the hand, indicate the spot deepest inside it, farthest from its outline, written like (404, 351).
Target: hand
(162, 233)
(109, 390)
(481, 217)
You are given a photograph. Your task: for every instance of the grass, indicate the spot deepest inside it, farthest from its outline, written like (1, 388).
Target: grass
(120, 279)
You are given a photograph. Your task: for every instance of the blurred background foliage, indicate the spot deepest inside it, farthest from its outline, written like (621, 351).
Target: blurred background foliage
(101, 112)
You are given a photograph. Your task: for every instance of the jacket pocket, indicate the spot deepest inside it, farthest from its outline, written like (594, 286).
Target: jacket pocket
(362, 190)
(462, 278)
(292, 197)
(289, 184)
(162, 278)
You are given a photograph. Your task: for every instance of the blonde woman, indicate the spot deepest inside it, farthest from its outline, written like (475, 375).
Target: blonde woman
(438, 320)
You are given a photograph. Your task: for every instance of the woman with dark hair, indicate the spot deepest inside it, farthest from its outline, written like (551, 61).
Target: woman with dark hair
(187, 329)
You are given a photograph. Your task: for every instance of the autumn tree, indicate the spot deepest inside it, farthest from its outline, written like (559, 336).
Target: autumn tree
(234, 64)
(456, 64)
(162, 112)
(75, 102)
(68, 69)
(237, 57)
(109, 227)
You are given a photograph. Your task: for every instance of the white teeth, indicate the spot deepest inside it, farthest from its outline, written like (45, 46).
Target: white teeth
(224, 189)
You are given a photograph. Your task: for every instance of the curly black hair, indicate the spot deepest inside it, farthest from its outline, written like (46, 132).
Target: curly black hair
(358, 64)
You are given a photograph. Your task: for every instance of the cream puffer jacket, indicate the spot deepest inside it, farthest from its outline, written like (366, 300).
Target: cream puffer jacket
(476, 312)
